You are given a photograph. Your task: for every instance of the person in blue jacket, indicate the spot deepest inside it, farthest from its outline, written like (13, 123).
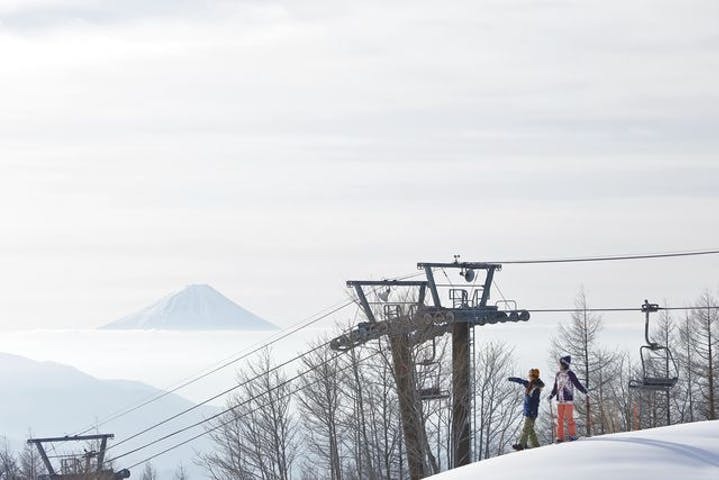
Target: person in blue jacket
(532, 391)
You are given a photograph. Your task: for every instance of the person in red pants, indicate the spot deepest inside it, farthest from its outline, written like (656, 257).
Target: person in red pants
(564, 382)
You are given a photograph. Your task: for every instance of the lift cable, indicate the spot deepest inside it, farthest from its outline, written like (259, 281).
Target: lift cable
(236, 386)
(619, 309)
(301, 374)
(235, 418)
(216, 396)
(234, 358)
(318, 347)
(641, 256)
(312, 320)
(247, 352)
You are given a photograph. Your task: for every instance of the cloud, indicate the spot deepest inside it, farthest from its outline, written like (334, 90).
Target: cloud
(34, 15)
(170, 137)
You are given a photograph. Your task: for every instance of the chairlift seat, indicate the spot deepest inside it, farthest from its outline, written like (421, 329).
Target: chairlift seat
(432, 393)
(654, 383)
(660, 382)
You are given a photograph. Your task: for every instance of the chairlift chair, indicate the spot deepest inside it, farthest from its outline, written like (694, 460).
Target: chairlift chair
(430, 389)
(661, 353)
(429, 376)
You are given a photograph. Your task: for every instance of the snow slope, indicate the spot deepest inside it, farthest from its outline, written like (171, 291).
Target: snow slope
(678, 452)
(196, 307)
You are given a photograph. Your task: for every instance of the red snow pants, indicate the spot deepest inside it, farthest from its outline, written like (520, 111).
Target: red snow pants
(565, 411)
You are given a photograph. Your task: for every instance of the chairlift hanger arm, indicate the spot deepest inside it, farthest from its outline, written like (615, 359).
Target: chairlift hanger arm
(648, 308)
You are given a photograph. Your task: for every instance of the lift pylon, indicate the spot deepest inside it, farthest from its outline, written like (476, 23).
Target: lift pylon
(469, 308)
(89, 465)
(411, 322)
(396, 322)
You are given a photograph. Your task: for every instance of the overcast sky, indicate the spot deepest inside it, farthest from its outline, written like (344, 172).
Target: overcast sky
(274, 149)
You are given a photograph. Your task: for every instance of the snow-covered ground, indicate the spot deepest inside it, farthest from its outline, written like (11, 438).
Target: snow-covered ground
(678, 452)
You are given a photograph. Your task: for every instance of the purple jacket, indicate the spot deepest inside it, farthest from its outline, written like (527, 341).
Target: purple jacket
(564, 383)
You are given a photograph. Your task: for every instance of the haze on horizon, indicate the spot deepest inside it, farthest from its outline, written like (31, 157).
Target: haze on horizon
(276, 149)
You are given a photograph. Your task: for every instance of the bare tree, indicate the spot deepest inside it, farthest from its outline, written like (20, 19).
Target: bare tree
(180, 473)
(498, 402)
(705, 333)
(373, 416)
(31, 465)
(257, 438)
(149, 472)
(319, 402)
(688, 384)
(9, 469)
(580, 339)
(359, 437)
(620, 403)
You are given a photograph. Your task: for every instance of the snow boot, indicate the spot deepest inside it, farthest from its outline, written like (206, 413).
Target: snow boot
(518, 446)
(573, 438)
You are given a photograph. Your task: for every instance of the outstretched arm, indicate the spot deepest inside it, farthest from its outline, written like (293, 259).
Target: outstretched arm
(518, 380)
(577, 383)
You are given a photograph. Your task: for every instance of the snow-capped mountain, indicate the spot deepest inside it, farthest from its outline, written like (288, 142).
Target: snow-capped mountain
(196, 307)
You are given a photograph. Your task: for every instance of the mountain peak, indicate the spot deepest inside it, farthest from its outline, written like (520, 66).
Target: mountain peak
(195, 307)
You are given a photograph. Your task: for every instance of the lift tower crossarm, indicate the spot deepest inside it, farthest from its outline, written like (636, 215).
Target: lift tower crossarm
(473, 265)
(38, 442)
(73, 438)
(489, 267)
(358, 284)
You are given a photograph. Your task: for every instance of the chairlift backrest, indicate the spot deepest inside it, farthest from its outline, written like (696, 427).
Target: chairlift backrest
(429, 360)
(652, 380)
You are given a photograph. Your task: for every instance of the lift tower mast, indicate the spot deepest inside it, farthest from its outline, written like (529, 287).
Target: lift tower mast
(411, 322)
(397, 323)
(461, 367)
(468, 309)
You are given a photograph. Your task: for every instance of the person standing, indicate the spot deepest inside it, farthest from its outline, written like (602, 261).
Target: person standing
(564, 382)
(532, 391)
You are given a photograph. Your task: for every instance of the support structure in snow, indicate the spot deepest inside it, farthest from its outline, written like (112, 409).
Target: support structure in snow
(89, 465)
(411, 322)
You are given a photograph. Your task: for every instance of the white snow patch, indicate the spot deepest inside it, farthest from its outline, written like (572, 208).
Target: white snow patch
(678, 452)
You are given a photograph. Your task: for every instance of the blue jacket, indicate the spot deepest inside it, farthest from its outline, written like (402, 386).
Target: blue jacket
(531, 399)
(564, 383)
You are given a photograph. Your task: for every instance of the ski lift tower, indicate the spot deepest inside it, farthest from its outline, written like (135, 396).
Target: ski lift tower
(468, 309)
(396, 321)
(410, 322)
(88, 465)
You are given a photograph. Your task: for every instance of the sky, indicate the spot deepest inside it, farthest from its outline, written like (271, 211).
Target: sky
(275, 149)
